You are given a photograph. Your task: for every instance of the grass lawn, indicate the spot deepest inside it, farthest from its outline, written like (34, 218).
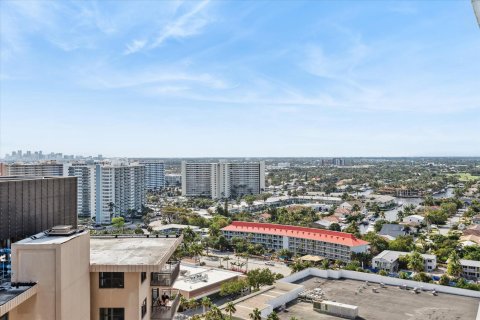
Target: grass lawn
(465, 176)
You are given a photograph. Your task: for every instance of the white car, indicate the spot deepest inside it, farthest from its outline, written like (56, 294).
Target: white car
(269, 263)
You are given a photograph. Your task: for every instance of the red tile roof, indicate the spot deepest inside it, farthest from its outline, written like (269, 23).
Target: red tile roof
(342, 238)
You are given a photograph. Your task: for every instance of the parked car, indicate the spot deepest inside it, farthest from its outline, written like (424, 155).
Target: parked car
(270, 263)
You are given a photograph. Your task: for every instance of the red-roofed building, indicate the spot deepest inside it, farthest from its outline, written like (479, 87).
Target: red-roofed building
(325, 243)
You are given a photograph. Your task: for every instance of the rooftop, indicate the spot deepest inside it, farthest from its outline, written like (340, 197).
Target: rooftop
(262, 299)
(392, 256)
(213, 276)
(342, 238)
(471, 263)
(388, 303)
(158, 226)
(20, 178)
(131, 253)
(43, 238)
(13, 294)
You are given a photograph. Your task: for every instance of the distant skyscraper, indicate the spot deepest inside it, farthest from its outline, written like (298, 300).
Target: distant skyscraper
(86, 185)
(154, 174)
(173, 180)
(50, 169)
(120, 188)
(223, 180)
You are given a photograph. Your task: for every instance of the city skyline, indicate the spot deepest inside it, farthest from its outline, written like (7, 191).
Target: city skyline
(212, 79)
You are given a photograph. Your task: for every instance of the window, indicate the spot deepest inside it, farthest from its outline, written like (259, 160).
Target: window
(144, 308)
(143, 276)
(112, 314)
(4, 317)
(111, 280)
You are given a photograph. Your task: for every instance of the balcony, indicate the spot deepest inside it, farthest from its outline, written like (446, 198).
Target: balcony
(167, 276)
(164, 308)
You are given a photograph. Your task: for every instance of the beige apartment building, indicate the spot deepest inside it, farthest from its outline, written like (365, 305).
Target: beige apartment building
(64, 274)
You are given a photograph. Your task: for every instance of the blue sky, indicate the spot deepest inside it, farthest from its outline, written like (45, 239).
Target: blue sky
(240, 78)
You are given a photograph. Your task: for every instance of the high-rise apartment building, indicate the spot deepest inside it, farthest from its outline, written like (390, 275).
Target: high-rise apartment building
(196, 179)
(40, 169)
(86, 185)
(154, 174)
(223, 179)
(64, 274)
(120, 189)
(29, 205)
(173, 180)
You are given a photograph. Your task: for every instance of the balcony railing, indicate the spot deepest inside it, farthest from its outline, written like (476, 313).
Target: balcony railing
(165, 309)
(167, 276)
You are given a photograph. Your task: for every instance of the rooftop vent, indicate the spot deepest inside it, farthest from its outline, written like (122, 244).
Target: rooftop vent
(61, 231)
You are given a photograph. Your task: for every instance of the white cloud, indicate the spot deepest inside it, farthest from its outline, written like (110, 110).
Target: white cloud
(135, 46)
(186, 25)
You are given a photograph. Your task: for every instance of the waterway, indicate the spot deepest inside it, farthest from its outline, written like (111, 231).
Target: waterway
(391, 215)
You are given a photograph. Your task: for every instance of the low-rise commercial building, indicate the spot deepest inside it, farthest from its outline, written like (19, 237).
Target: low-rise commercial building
(197, 282)
(389, 260)
(325, 243)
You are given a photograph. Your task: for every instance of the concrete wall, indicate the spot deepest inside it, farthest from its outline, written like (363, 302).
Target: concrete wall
(362, 276)
(130, 297)
(62, 272)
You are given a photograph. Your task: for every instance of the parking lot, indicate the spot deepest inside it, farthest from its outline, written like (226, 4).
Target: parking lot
(253, 263)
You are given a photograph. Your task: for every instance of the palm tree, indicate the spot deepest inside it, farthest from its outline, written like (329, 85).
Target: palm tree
(273, 316)
(184, 302)
(416, 262)
(454, 268)
(230, 308)
(206, 303)
(255, 314)
(214, 314)
(192, 303)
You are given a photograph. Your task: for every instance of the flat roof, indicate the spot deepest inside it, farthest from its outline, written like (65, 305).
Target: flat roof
(342, 238)
(262, 298)
(12, 295)
(390, 302)
(213, 276)
(158, 226)
(20, 178)
(131, 253)
(43, 238)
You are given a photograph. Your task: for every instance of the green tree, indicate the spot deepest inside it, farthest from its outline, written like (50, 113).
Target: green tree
(273, 316)
(444, 280)
(335, 227)
(255, 314)
(230, 308)
(454, 268)
(401, 243)
(403, 275)
(118, 223)
(415, 262)
(206, 303)
(383, 273)
(377, 243)
(353, 229)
